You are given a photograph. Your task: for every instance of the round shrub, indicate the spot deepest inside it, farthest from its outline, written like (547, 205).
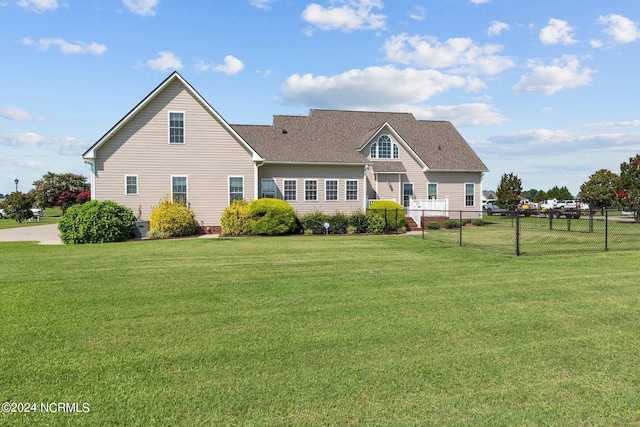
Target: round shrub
(433, 225)
(313, 223)
(390, 211)
(451, 223)
(272, 217)
(235, 220)
(171, 219)
(97, 222)
(477, 221)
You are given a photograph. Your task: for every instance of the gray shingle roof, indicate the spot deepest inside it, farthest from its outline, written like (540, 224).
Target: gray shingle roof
(332, 136)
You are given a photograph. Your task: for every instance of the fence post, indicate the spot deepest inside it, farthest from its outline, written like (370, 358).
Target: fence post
(517, 235)
(550, 214)
(422, 223)
(460, 226)
(606, 230)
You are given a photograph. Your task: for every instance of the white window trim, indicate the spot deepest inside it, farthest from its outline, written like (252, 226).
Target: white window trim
(126, 186)
(229, 187)
(184, 128)
(393, 149)
(337, 181)
(305, 190)
(346, 192)
(437, 189)
(275, 187)
(464, 201)
(186, 184)
(284, 190)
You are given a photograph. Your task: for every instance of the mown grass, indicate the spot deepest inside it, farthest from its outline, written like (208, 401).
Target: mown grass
(51, 216)
(372, 330)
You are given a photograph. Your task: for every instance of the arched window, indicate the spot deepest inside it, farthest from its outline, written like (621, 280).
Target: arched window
(374, 150)
(384, 148)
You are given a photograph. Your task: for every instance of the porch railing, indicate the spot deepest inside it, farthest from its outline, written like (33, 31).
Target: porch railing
(419, 208)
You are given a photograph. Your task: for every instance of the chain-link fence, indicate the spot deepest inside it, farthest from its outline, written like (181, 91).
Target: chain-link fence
(539, 234)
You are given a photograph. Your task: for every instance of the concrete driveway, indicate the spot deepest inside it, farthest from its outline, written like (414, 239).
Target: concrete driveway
(43, 234)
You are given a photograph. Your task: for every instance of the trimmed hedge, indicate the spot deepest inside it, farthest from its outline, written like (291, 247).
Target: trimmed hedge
(313, 223)
(97, 222)
(272, 217)
(390, 211)
(171, 219)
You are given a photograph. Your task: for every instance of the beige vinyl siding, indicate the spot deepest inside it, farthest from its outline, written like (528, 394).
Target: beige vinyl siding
(320, 173)
(452, 185)
(141, 147)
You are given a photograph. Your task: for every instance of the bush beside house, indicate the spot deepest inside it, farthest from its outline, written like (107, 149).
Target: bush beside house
(171, 219)
(97, 222)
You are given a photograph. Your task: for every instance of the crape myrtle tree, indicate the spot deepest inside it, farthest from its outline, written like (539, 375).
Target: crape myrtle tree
(63, 189)
(600, 191)
(629, 186)
(509, 191)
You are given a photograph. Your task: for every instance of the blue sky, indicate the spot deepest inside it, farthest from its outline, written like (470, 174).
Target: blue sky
(547, 90)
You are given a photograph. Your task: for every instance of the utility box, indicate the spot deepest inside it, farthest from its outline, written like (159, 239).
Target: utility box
(141, 230)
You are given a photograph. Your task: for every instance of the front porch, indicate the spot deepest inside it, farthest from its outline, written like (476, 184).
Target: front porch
(417, 209)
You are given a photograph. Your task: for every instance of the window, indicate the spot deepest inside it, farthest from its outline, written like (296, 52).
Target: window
(176, 128)
(311, 189)
(179, 189)
(469, 192)
(432, 190)
(331, 190)
(384, 149)
(351, 187)
(290, 189)
(236, 188)
(131, 185)
(268, 188)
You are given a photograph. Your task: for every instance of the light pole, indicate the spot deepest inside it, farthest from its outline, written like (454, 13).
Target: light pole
(16, 181)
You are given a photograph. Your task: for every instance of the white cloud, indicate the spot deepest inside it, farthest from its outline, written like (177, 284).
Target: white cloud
(65, 145)
(141, 7)
(596, 43)
(557, 32)
(620, 28)
(418, 13)
(371, 88)
(165, 61)
(474, 114)
(38, 5)
(613, 125)
(480, 1)
(352, 15)
(497, 28)
(65, 47)
(232, 65)
(17, 114)
(460, 55)
(563, 73)
(262, 4)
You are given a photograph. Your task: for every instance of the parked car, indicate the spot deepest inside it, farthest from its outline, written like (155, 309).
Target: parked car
(492, 208)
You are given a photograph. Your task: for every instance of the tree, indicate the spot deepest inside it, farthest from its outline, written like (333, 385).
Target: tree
(600, 190)
(509, 191)
(529, 194)
(560, 193)
(629, 186)
(18, 206)
(540, 196)
(60, 190)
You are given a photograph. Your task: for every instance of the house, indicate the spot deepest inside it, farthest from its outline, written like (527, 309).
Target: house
(174, 144)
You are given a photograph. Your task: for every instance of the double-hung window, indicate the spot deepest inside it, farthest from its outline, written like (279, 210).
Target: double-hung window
(432, 190)
(179, 189)
(351, 189)
(236, 188)
(290, 190)
(331, 190)
(268, 188)
(131, 185)
(176, 128)
(311, 189)
(469, 194)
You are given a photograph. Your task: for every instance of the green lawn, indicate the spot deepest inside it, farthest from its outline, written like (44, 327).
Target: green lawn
(314, 330)
(51, 216)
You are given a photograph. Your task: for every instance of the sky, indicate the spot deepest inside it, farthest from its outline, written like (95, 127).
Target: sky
(547, 90)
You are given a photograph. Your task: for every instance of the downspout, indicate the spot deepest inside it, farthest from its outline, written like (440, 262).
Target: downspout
(92, 165)
(256, 179)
